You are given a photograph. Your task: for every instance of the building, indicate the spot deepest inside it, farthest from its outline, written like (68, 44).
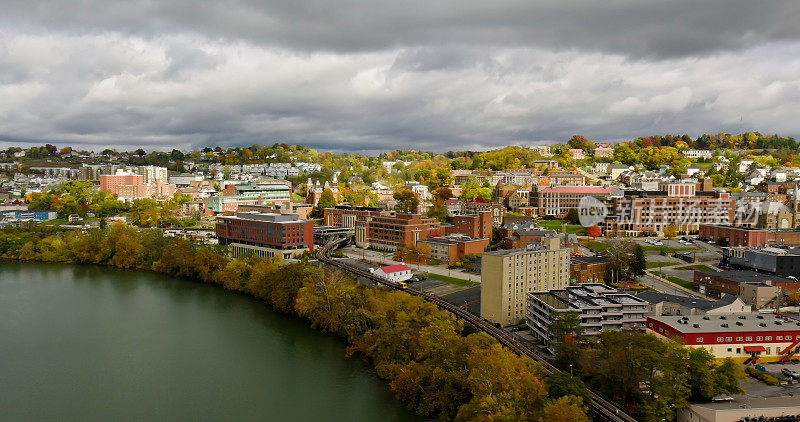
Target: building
(741, 236)
(756, 289)
(347, 215)
(395, 273)
(128, 186)
(588, 269)
(473, 225)
(782, 262)
(558, 200)
(454, 247)
(697, 153)
(507, 276)
(576, 153)
(557, 178)
(395, 232)
(497, 210)
(642, 211)
(266, 234)
(743, 408)
(302, 209)
(732, 336)
(667, 304)
(39, 215)
(598, 307)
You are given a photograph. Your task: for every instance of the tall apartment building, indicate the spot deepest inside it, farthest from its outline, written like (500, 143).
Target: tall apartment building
(394, 232)
(507, 276)
(153, 174)
(598, 307)
(347, 215)
(266, 234)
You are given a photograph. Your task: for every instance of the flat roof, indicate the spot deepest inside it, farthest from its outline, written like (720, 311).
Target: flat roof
(747, 276)
(269, 217)
(735, 323)
(689, 302)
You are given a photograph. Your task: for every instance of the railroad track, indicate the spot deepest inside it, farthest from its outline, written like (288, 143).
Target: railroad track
(602, 407)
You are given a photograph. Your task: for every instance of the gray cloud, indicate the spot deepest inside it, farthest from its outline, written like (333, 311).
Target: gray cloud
(367, 76)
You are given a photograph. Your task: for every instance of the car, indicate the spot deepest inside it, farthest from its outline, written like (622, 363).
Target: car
(792, 277)
(761, 368)
(658, 243)
(791, 373)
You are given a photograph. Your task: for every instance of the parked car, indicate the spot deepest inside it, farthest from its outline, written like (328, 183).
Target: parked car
(760, 368)
(791, 373)
(658, 243)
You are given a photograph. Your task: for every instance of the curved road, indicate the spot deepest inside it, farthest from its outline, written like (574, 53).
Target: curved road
(602, 407)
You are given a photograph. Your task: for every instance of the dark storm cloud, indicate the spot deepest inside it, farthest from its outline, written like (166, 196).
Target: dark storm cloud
(372, 75)
(636, 27)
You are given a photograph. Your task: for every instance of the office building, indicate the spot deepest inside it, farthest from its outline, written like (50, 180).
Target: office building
(266, 234)
(394, 232)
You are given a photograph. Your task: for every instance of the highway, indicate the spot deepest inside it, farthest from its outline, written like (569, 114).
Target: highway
(603, 409)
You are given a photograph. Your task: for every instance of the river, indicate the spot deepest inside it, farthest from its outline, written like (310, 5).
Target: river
(86, 343)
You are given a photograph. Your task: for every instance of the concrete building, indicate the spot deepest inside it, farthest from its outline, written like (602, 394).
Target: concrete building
(507, 276)
(598, 307)
(394, 232)
(266, 234)
(667, 304)
(763, 336)
(454, 247)
(782, 262)
(743, 409)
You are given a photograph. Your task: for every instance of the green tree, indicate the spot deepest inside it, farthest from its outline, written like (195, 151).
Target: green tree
(572, 216)
(639, 264)
(407, 201)
(326, 200)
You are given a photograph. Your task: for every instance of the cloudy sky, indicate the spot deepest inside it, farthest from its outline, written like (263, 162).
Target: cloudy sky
(368, 75)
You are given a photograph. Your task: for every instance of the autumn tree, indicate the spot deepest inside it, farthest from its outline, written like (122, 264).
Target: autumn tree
(407, 201)
(326, 200)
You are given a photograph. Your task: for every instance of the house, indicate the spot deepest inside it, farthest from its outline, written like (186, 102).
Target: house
(395, 273)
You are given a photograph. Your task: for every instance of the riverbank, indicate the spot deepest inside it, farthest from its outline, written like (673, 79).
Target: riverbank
(420, 351)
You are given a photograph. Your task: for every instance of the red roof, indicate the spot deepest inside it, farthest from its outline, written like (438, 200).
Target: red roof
(751, 349)
(578, 189)
(395, 268)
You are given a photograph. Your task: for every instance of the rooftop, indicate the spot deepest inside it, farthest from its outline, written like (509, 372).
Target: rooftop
(270, 217)
(689, 302)
(745, 276)
(728, 323)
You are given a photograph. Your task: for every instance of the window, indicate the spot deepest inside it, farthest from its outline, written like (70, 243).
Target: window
(759, 338)
(749, 338)
(768, 338)
(699, 339)
(779, 338)
(729, 339)
(719, 339)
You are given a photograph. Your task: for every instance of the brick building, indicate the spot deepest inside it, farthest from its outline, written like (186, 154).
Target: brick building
(588, 269)
(756, 289)
(347, 215)
(558, 200)
(266, 234)
(473, 225)
(394, 232)
(741, 236)
(642, 211)
(454, 247)
(497, 210)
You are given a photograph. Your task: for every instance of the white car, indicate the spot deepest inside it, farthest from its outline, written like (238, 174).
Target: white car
(658, 243)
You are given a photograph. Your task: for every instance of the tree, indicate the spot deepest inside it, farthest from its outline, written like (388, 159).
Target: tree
(639, 264)
(326, 200)
(407, 201)
(670, 231)
(572, 216)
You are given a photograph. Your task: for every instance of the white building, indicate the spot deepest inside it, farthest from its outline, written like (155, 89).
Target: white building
(697, 153)
(395, 273)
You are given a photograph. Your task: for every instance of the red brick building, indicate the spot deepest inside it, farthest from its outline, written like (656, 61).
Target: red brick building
(394, 232)
(497, 210)
(266, 234)
(473, 225)
(558, 200)
(451, 248)
(741, 236)
(638, 212)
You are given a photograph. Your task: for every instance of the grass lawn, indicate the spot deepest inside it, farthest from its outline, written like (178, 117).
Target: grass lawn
(556, 225)
(698, 267)
(656, 264)
(597, 246)
(677, 280)
(452, 280)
